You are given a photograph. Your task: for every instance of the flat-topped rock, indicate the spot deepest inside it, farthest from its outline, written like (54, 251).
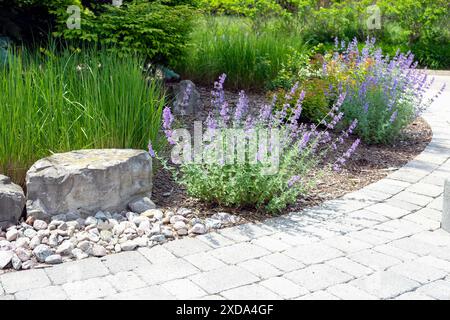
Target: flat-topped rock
(12, 201)
(88, 181)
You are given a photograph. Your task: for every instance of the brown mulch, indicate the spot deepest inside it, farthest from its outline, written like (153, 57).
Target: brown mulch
(368, 164)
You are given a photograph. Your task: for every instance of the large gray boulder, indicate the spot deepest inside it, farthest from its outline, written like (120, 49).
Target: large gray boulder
(12, 201)
(88, 181)
(446, 209)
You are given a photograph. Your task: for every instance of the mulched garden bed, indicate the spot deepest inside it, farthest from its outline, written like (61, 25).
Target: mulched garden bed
(369, 163)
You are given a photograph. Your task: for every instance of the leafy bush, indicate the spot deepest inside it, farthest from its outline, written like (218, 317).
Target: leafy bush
(316, 102)
(305, 74)
(157, 30)
(232, 45)
(247, 8)
(384, 94)
(152, 29)
(54, 102)
(423, 26)
(343, 19)
(253, 174)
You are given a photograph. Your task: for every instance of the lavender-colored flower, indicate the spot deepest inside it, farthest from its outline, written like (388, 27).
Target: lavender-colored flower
(293, 180)
(241, 107)
(292, 92)
(167, 124)
(341, 160)
(167, 118)
(366, 107)
(305, 140)
(266, 112)
(224, 112)
(211, 123)
(150, 149)
(218, 95)
(393, 116)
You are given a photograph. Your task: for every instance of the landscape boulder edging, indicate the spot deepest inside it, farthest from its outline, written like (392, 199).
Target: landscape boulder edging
(87, 181)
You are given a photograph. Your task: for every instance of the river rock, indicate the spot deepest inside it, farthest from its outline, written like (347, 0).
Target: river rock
(128, 245)
(141, 205)
(5, 245)
(12, 234)
(198, 228)
(65, 247)
(23, 254)
(79, 254)
(88, 181)
(22, 243)
(39, 225)
(12, 201)
(98, 251)
(153, 213)
(16, 262)
(179, 225)
(30, 233)
(5, 258)
(42, 251)
(53, 259)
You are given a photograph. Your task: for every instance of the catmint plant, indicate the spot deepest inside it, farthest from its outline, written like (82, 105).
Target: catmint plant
(264, 160)
(385, 94)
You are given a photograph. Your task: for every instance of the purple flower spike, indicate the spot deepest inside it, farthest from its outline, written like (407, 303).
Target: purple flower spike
(241, 107)
(167, 118)
(150, 149)
(293, 180)
(393, 116)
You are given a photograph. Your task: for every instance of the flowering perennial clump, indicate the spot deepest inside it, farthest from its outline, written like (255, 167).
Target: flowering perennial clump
(264, 159)
(385, 94)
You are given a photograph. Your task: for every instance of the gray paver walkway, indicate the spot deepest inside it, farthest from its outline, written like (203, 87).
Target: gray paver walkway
(380, 242)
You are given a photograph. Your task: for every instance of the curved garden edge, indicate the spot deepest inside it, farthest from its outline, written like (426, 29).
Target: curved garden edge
(382, 241)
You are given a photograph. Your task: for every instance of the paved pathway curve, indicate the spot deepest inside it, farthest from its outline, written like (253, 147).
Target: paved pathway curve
(380, 242)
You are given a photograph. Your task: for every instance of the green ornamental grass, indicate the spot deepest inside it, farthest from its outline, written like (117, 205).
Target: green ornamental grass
(251, 54)
(55, 102)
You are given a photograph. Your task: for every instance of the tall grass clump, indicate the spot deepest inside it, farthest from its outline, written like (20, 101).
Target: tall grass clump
(55, 102)
(251, 53)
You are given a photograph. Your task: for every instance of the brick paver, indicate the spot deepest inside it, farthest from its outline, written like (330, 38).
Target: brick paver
(380, 242)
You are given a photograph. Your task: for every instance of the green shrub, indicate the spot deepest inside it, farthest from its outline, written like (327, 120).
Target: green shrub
(152, 29)
(54, 102)
(315, 105)
(420, 26)
(246, 8)
(157, 30)
(423, 26)
(305, 73)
